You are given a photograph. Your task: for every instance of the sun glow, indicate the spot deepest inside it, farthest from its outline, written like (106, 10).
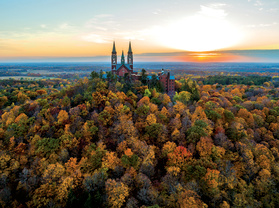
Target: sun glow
(200, 33)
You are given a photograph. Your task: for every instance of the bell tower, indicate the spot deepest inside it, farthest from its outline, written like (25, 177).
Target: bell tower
(122, 58)
(130, 56)
(113, 58)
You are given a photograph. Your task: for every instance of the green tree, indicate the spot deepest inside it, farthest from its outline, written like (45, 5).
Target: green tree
(143, 78)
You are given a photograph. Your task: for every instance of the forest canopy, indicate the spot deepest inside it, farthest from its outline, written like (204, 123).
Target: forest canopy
(121, 143)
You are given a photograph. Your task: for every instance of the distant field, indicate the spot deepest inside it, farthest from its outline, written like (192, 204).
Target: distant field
(46, 72)
(73, 70)
(24, 77)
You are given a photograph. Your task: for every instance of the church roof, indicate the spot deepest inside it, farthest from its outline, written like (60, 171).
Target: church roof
(126, 65)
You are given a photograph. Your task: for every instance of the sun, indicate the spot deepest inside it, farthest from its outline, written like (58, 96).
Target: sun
(200, 33)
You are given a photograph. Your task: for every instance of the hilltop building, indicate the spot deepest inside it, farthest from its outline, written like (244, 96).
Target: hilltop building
(121, 69)
(167, 81)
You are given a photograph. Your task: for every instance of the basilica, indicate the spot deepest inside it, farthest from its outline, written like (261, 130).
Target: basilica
(123, 68)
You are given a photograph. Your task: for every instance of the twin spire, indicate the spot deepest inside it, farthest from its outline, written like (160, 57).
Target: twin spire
(122, 58)
(129, 57)
(129, 50)
(113, 49)
(128, 65)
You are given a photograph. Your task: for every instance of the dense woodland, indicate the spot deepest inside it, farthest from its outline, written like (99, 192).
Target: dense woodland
(117, 143)
(226, 80)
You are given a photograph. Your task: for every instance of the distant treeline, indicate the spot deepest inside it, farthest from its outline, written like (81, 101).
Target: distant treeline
(226, 80)
(49, 67)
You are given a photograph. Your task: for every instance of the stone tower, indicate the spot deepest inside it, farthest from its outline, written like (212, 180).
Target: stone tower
(130, 56)
(113, 57)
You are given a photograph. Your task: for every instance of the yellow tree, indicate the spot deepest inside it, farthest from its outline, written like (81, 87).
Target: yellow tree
(53, 172)
(110, 160)
(62, 116)
(151, 119)
(247, 116)
(63, 189)
(166, 99)
(21, 118)
(43, 196)
(211, 181)
(168, 147)
(199, 114)
(204, 146)
(144, 101)
(117, 192)
(190, 199)
(175, 134)
(175, 123)
(3, 100)
(21, 97)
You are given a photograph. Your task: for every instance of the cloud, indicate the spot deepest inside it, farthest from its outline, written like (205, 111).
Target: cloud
(258, 3)
(102, 22)
(103, 15)
(96, 38)
(101, 28)
(65, 26)
(157, 11)
(273, 9)
(43, 26)
(101, 37)
(105, 28)
(213, 10)
(263, 25)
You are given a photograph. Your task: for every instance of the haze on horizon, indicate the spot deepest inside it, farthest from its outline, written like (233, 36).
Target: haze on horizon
(38, 29)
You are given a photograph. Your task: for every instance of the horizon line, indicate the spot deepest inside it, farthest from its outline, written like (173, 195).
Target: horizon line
(247, 55)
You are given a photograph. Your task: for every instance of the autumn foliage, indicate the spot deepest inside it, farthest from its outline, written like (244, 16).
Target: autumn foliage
(118, 143)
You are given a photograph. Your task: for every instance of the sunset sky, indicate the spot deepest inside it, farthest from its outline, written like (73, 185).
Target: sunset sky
(38, 29)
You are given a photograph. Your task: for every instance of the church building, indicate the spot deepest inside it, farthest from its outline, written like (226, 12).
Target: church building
(167, 81)
(122, 68)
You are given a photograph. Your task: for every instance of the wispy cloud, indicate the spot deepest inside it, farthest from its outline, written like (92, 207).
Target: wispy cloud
(65, 26)
(96, 38)
(213, 10)
(273, 9)
(263, 25)
(157, 11)
(265, 6)
(101, 22)
(258, 3)
(105, 28)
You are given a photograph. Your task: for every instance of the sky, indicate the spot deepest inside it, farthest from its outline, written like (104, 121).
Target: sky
(45, 29)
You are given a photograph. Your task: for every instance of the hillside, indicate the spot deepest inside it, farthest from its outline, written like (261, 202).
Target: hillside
(94, 143)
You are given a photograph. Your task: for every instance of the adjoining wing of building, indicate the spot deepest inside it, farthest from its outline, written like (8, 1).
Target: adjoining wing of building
(123, 68)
